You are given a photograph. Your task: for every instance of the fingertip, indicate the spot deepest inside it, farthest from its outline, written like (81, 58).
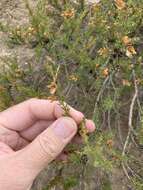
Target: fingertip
(62, 157)
(76, 115)
(65, 128)
(90, 126)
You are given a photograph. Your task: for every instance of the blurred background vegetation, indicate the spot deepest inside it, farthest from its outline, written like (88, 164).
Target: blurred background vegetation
(90, 56)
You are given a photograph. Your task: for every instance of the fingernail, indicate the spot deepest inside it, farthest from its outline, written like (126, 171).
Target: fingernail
(65, 127)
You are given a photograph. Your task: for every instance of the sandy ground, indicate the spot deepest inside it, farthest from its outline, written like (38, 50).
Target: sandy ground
(13, 13)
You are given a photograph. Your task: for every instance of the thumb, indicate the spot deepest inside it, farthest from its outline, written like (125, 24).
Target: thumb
(49, 144)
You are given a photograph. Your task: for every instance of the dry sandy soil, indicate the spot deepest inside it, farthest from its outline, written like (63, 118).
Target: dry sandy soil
(13, 13)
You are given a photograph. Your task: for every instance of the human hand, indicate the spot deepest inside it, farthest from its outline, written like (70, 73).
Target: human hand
(32, 134)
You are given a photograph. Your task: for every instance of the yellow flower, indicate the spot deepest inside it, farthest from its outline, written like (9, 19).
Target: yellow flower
(106, 72)
(29, 34)
(31, 30)
(2, 88)
(103, 51)
(17, 27)
(126, 40)
(120, 4)
(110, 143)
(18, 32)
(45, 34)
(53, 88)
(73, 78)
(68, 13)
(95, 7)
(97, 65)
(126, 82)
(138, 80)
(52, 98)
(130, 51)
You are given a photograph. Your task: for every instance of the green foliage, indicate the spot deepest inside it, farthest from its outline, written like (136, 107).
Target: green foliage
(138, 183)
(106, 185)
(89, 56)
(70, 182)
(140, 132)
(3, 27)
(108, 104)
(101, 152)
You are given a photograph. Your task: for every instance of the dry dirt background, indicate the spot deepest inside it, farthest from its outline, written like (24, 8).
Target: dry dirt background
(13, 13)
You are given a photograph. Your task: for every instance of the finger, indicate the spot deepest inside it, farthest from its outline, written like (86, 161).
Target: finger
(26, 114)
(90, 126)
(48, 145)
(5, 149)
(62, 157)
(12, 138)
(76, 115)
(32, 132)
(21, 143)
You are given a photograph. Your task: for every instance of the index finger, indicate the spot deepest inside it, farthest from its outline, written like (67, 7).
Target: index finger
(25, 114)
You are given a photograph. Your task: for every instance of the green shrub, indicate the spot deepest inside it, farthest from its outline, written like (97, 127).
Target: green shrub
(91, 57)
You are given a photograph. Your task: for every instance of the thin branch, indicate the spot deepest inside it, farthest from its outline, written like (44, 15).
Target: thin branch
(99, 95)
(125, 171)
(109, 120)
(119, 130)
(131, 115)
